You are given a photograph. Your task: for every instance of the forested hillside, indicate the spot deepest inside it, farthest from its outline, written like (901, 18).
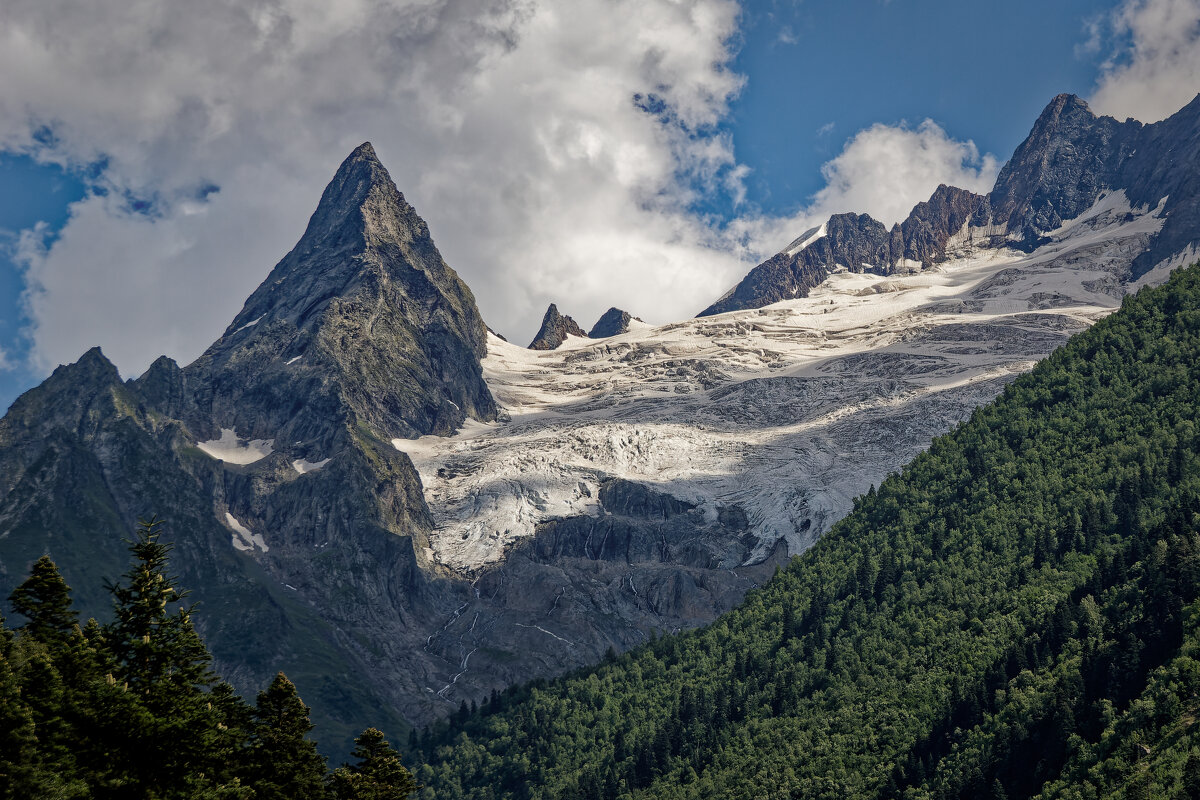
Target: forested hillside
(1014, 615)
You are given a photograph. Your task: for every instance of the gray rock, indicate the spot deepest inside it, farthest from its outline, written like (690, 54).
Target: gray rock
(555, 329)
(613, 322)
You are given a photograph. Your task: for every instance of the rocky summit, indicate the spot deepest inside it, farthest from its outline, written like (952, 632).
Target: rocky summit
(555, 329)
(613, 322)
(1070, 158)
(368, 490)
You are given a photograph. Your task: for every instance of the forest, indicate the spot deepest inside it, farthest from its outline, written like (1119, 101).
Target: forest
(1014, 615)
(132, 708)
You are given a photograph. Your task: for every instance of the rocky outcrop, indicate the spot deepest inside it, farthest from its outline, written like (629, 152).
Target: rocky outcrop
(555, 329)
(613, 322)
(859, 243)
(1070, 158)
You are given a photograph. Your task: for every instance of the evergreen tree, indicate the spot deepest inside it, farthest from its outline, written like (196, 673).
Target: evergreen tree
(151, 644)
(168, 735)
(379, 775)
(44, 599)
(18, 742)
(285, 765)
(1191, 777)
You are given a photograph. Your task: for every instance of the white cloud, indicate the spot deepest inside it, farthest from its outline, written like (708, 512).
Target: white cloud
(883, 168)
(1159, 71)
(510, 125)
(884, 171)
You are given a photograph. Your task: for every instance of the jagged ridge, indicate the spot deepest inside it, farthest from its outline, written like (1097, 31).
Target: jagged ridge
(1069, 158)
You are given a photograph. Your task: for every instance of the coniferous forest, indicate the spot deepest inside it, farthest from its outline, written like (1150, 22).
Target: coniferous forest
(1015, 615)
(132, 708)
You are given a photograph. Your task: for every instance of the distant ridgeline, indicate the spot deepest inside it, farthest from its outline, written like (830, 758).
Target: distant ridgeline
(132, 709)
(1016, 614)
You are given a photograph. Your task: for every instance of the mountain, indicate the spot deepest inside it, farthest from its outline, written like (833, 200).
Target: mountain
(1069, 160)
(1014, 614)
(297, 524)
(404, 512)
(613, 322)
(555, 330)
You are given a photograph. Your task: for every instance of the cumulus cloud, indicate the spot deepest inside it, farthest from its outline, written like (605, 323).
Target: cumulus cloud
(884, 171)
(1157, 72)
(883, 168)
(555, 151)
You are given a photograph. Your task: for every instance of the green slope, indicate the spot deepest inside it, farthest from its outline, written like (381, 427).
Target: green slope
(1015, 611)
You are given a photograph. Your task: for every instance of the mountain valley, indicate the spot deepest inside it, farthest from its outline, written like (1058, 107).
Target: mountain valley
(370, 491)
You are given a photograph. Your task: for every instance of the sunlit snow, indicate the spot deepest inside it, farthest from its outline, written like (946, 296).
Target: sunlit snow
(789, 411)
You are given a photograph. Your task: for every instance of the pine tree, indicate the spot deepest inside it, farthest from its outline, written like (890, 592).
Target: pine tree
(379, 775)
(1191, 777)
(167, 736)
(285, 765)
(44, 599)
(18, 742)
(150, 643)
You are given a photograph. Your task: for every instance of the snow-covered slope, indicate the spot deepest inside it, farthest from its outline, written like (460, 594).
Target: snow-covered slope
(787, 411)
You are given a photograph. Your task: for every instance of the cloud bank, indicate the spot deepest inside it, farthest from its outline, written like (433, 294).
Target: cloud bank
(1157, 71)
(555, 150)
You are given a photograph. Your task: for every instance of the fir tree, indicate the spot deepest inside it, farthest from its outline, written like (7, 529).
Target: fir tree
(44, 599)
(379, 775)
(285, 764)
(170, 737)
(18, 742)
(150, 643)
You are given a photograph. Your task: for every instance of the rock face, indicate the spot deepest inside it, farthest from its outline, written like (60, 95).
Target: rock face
(1070, 158)
(362, 315)
(613, 322)
(555, 329)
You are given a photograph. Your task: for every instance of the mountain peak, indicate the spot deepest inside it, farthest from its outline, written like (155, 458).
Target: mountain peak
(555, 329)
(339, 218)
(1069, 157)
(611, 323)
(365, 294)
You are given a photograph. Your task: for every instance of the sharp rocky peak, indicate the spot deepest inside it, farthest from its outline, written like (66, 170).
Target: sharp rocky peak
(555, 329)
(365, 301)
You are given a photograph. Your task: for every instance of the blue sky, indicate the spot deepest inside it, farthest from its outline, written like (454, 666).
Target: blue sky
(521, 175)
(980, 73)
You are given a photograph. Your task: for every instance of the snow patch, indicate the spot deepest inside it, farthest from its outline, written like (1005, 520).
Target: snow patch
(291, 361)
(805, 239)
(249, 324)
(243, 538)
(303, 465)
(232, 450)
